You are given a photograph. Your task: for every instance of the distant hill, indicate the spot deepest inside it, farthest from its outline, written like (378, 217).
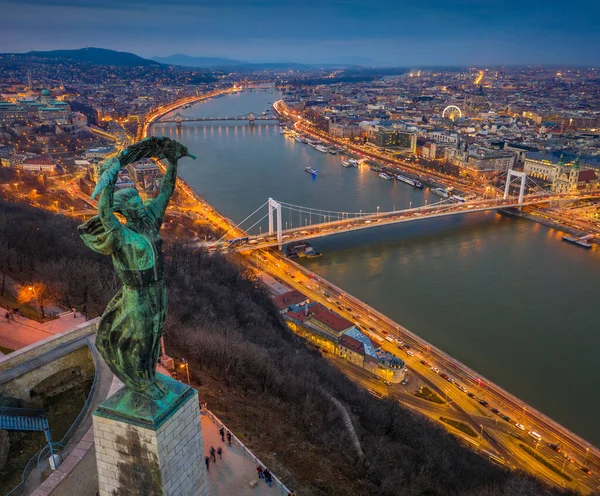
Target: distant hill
(99, 56)
(203, 62)
(230, 64)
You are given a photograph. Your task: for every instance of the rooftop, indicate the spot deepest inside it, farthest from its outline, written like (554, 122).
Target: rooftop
(354, 333)
(288, 299)
(329, 318)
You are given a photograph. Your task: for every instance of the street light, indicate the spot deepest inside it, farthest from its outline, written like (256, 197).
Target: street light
(481, 435)
(184, 364)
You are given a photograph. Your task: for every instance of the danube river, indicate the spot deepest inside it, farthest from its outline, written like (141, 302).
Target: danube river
(504, 296)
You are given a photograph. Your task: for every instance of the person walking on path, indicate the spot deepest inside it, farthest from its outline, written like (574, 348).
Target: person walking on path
(269, 479)
(207, 461)
(213, 454)
(7, 317)
(11, 314)
(222, 432)
(220, 452)
(229, 437)
(259, 469)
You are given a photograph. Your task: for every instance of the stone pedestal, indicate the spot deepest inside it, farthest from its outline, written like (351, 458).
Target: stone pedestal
(148, 448)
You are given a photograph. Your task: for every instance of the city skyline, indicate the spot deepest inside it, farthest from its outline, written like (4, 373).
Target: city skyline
(412, 34)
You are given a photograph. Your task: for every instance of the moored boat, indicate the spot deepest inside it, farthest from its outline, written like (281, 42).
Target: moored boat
(440, 192)
(413, 182)
(581, 241)
(312, 171)
(385, 176)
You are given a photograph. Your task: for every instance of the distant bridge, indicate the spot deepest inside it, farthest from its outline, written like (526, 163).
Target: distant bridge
(250, 118)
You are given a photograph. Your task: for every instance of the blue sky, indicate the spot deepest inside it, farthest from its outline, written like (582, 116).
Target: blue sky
(400, 32)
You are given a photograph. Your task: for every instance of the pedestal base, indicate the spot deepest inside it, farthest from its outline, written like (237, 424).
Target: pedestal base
(150, 448)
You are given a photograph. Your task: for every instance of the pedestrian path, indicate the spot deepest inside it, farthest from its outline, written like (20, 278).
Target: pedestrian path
(233, 473)
(20, 332)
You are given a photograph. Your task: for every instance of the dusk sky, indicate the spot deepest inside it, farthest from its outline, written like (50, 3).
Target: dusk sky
(386, 32)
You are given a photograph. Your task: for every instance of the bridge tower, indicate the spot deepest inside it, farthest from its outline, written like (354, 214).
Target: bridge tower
(251, 118)
(274, 205)
(178, 120)
(509, 178)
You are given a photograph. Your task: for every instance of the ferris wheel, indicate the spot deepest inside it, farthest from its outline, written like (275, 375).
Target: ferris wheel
(451, 112)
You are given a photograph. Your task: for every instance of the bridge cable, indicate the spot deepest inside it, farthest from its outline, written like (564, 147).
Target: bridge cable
(237, 226)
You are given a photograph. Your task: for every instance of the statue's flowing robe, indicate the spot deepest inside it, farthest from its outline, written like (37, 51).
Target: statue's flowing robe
(132, 323)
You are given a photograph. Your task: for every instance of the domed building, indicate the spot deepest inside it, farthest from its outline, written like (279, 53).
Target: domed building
(45, 97)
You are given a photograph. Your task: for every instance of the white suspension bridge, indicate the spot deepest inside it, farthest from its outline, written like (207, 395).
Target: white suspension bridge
(314, 223)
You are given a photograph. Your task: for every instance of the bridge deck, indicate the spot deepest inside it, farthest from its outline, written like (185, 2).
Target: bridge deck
(214, 119)
(386, 218)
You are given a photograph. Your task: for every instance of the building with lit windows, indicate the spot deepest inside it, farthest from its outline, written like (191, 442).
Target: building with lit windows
(144, 172)
(334, 334)
(39, 164)
(541, 169)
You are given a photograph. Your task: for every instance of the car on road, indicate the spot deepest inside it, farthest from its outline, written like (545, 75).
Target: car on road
(372, 328)
(520, 426)
(404, 382)
(506, 417)
(349, 309)
(462, 388)
(586, 470)
(555, 447)
(471, 395)
(435, 369)
(387, 338)
(410, 353)
(387, 383)
(424, 362)
(496, 411)
(444, 376)
(484, 403)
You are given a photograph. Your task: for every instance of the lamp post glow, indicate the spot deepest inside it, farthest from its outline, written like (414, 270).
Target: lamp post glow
(185, 365)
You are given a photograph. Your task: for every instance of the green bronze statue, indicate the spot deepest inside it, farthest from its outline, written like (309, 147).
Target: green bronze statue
(131, 326)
